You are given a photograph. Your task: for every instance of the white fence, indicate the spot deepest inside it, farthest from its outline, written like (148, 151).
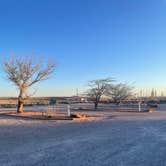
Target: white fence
(64, 108)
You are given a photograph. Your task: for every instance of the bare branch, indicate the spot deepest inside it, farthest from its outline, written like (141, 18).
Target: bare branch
(25, 72)
(97, 88)
(119, 92)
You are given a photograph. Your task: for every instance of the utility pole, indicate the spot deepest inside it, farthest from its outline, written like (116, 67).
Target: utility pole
(77, 92)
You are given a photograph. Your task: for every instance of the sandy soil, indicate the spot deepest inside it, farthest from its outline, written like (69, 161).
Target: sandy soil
(114, 139)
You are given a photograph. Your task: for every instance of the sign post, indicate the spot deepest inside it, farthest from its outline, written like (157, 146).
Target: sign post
(68, 110)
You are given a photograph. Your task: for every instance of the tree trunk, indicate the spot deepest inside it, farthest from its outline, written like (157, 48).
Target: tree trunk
(20, 107)
(96, 105)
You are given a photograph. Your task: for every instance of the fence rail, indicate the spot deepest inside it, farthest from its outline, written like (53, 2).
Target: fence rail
(83, 107)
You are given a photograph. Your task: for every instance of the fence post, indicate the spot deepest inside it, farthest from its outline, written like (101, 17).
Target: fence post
(68, 110)
(139, 106)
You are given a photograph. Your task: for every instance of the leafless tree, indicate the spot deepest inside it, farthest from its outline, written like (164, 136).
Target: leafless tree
(119, 92)
(98, 88)
(24, 73)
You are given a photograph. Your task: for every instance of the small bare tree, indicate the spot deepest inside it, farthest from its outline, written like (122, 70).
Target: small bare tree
(98, 88)
(24, 73)
(119, 92)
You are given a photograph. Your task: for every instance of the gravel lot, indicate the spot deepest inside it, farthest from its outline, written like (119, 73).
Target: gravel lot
(115, 139)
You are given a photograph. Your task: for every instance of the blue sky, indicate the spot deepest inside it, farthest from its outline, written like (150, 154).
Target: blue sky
(88, 39)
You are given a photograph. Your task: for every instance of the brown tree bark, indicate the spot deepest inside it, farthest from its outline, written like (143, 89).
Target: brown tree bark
(20, 107)
(96, 105)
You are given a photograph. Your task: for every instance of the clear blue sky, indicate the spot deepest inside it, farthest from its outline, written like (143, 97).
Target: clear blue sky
(89, 39)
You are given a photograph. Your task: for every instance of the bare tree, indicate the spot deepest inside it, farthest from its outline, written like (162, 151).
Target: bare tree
(24, 73)
(98, 88)
(119, 92)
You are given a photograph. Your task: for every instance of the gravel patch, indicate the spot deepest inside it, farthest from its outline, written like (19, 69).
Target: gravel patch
(116, 139)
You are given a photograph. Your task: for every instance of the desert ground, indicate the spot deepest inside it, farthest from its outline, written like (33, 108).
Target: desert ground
(108, 139)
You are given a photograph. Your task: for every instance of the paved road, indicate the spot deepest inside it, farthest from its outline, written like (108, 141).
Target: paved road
(119, 139)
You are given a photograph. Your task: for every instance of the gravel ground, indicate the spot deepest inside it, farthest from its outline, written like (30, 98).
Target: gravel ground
(116, 139)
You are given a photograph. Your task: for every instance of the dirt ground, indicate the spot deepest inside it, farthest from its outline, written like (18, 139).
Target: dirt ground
(109, 139)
